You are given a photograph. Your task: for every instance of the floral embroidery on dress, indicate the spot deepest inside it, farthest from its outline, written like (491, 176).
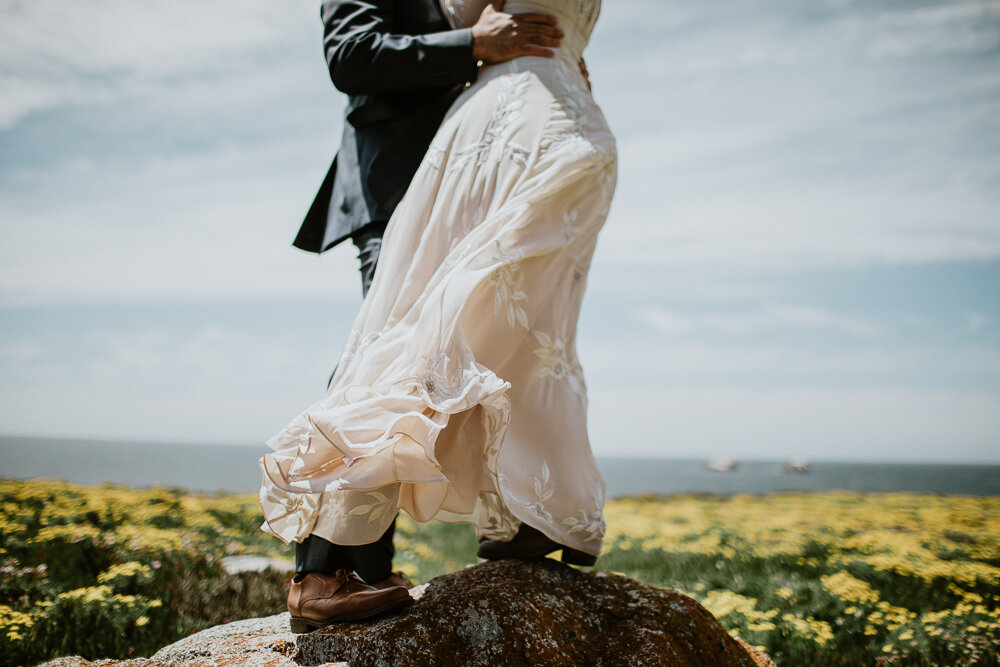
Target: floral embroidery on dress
(543, 488)
(498, 523)
(356, 344)
(570, 226)
(590, 526)
(497, 140)
(556, 361)
(439, 383)
(380, 505)
(507, 257)
(555, 357)
(564, 128)
(495, 425)
(506, 298)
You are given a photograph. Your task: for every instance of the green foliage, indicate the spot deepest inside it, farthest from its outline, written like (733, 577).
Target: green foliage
(113, 572)
(812, 579)
(827, 578)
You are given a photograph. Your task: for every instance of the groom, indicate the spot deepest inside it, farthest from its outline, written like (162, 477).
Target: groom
(401, 65)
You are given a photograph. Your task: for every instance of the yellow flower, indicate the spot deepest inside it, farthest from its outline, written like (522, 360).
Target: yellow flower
(849, 589)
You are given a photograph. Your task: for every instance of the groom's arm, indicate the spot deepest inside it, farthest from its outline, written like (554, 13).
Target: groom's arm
(365, 56)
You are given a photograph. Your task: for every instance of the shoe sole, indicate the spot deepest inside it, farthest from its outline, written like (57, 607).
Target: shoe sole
(304, 625)
(575, 557)
(569, 556)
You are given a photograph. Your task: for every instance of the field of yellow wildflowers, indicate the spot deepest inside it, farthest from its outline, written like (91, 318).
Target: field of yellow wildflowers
(813, 579)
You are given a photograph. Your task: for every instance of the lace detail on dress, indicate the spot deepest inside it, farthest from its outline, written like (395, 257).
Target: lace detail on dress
(590, 526)
(498, 136)
(543, 488)
(506, 297)
(555, 359)
(565, 126)
(439, 383)
(356, 345)
(381, 503)
(570, 227)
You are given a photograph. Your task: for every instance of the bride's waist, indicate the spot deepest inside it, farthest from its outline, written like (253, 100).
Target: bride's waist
(562, 70)
(574, 40)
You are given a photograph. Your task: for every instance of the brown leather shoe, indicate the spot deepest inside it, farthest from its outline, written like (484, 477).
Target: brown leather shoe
(324, 599)
(394, 579)
(530, 543)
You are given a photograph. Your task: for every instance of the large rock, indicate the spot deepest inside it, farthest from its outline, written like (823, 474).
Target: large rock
(497, 613)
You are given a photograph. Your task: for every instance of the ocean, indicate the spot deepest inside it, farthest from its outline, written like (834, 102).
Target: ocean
(233, 468)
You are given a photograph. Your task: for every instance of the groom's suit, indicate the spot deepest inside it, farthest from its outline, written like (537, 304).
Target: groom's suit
(401, 66)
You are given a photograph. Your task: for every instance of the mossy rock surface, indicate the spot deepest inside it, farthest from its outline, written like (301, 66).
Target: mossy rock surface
(497, 613)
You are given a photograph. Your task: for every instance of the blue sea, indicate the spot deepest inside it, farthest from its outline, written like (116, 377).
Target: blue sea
(233, 468)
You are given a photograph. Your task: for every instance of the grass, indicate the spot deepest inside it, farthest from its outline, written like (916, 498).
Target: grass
(812, 579)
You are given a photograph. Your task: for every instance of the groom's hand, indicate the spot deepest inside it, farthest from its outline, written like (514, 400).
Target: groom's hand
(498, 37)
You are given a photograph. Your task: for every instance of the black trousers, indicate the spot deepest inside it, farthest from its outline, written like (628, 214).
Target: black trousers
(372, 562)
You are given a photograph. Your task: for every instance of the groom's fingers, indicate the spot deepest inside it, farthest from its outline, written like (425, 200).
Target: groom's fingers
(536, 18)
(541, 39)
(538, 33)
(498, 37)
(540, 29)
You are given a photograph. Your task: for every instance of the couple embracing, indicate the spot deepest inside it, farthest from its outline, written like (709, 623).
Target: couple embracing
(475, 170)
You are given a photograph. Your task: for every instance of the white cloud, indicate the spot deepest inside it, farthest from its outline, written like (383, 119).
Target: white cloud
(20, 352)
(761, 139)
(55, 52)
(974, 322)
(208, 225)
(961, 27)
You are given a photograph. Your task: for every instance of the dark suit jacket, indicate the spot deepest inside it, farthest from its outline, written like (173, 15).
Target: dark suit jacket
(402, 66)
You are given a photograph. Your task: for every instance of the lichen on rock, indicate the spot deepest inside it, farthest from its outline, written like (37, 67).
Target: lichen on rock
(496, 613)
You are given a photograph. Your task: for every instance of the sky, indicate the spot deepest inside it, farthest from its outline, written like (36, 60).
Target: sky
(802, 258)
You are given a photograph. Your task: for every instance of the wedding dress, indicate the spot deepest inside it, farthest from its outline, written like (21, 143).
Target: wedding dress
(459, 396)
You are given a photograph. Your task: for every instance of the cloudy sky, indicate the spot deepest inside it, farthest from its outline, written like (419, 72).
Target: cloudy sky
(803, 257)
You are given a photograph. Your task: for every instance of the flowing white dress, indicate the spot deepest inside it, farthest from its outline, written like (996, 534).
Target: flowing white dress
(459, 396)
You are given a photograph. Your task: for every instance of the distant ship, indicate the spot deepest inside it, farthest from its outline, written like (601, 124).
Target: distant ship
(800, 466)
(721, 465)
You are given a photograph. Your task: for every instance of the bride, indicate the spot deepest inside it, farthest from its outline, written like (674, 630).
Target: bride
(459, 396)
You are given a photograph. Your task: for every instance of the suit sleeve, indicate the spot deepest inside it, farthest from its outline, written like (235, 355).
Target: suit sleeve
(366, 57)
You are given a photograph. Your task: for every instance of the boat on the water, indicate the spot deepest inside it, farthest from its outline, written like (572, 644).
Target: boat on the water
(721, 465)
(798, 466)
